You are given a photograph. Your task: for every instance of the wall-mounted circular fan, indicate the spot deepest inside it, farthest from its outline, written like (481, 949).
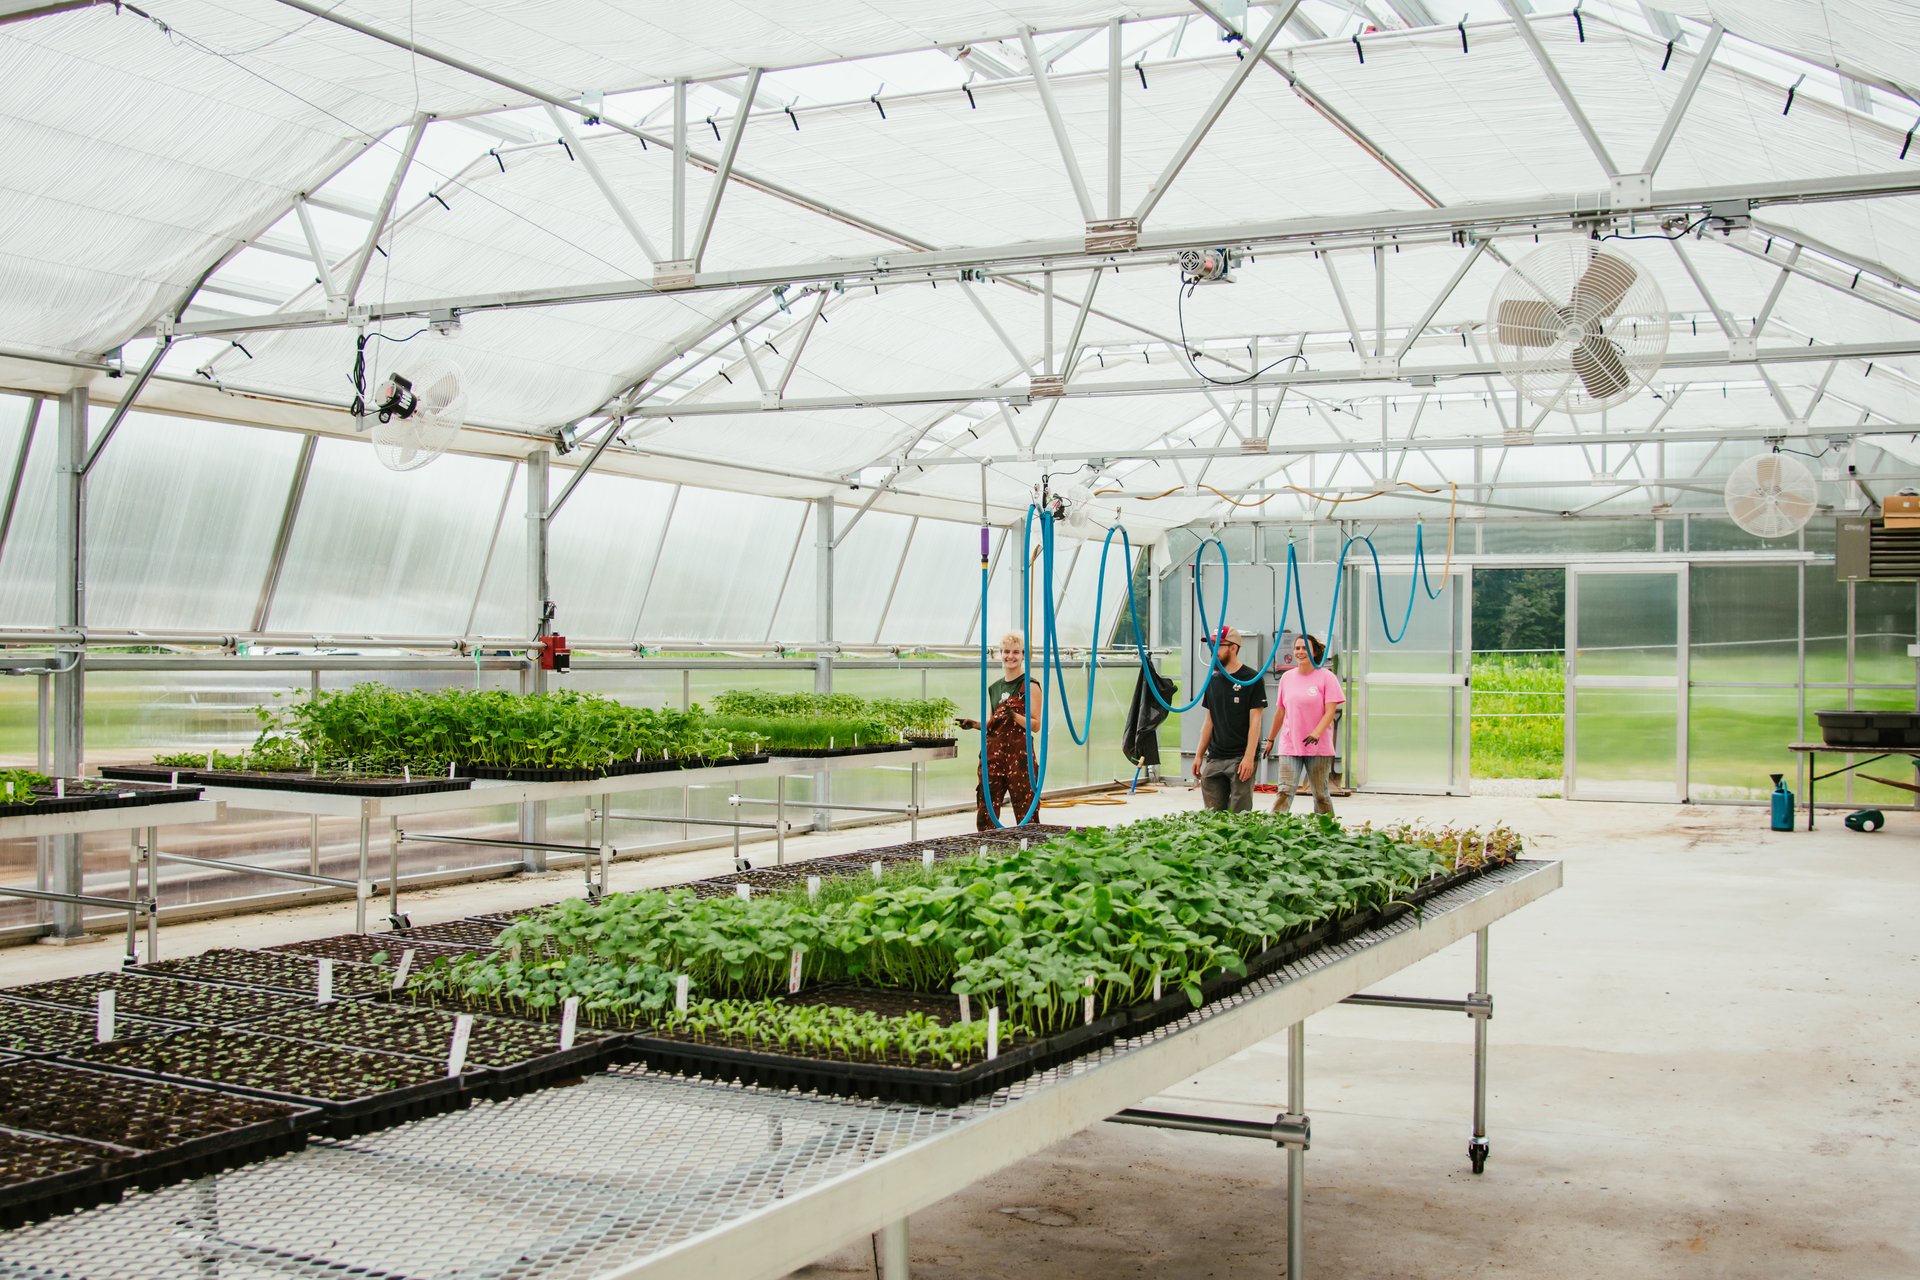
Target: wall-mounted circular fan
(1577, 328)
(1770, 495)
(418, 410)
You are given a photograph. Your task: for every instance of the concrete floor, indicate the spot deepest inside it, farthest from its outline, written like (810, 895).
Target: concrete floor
(1705, 1063)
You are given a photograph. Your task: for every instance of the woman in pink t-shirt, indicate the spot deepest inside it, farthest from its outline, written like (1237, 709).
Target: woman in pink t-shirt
(1310, 696)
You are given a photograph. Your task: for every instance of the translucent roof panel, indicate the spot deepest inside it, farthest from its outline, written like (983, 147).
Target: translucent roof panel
(865, 566)
(181, 522)
(390, 553)
(603, 549)
(932, 604)
(26, 556)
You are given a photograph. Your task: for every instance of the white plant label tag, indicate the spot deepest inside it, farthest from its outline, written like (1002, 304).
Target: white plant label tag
(745, 891)
(983, 851)
(103, 1026)
(457, 1051)
(926, 858)
(813, 887)
(966, 1008)
(326, 982)
(680, 994)
(173, 780)
(993, 1033)
(449, 768)
(59, 788)
(1156, 984)
(400, 974)
(406, 773)
(209, 759)
(878, 870)
(9, 791)
(1089, 1000)
(513, 952)
(1023, 846)
(793, 974)
(569, 1022)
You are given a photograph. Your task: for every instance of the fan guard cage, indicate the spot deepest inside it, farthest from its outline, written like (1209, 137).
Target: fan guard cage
(1771, 496)
(1577, 327)
(404, 444)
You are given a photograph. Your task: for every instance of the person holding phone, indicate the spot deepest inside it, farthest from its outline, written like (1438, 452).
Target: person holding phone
(1009, 737)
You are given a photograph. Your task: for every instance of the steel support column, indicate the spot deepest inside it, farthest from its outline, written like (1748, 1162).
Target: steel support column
(533, 816)
(64, 876)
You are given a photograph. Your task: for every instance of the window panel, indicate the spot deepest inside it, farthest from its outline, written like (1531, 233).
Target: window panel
(939, 585)
(181, 521)
(387, 552)
(721, 566)
(863, 572)
(1745, 622)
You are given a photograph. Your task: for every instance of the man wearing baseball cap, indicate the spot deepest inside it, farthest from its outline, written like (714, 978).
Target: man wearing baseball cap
(1230, 733)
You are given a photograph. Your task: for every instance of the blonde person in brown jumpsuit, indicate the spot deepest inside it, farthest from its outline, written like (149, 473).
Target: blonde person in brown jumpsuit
(1008, 737)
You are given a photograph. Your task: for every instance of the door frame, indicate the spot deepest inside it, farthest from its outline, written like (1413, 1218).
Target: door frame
(1459, 587)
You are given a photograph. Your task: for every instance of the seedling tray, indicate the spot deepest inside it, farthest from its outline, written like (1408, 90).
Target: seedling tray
(353, 1090)
(41, 1176)
(87, 794)
(924, 1086)
(824, 753)
(470, 934)
(273, 971)
(159, 998)
(158, 1133)
(933, 742)
(361, 948)
(36, 1030)
(518, 1054)
(321, 784)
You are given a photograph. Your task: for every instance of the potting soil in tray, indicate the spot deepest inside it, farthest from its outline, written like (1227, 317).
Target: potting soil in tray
(476, 934)
(363, 948)
(147, 996)
(33, 1029)
(421, 1032)
(41, 1176)
(91, 793)
(160, 1128)
(338, 784)
(941, 1086)
(354, 1089)
(824, 753)
(275, 971)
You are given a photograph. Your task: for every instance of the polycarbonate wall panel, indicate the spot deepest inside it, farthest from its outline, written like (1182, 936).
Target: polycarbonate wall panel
(1826, 627)
(939, 589)
(502, 604)
(1629, 624)
(721, 567)
(1745, 622)
(1883, 618)
(864, 567)
(797, 618)
(601, 551)
(26, 562)
(385, 552)
(1736, 738)
(181, 521)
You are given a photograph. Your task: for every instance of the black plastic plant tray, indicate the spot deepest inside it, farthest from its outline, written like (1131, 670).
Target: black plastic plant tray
(423, 1032)
(361, 948)
(41, 1176)
(38, 1030)
(932, 742)
(596, 1020)
(472, 934)
(123, 796)
(274, 971)
(375, 785)
(160, 999)
(160, 1133)
(249, 1065)
(824, 753)
(925, 1086)
(539, 773)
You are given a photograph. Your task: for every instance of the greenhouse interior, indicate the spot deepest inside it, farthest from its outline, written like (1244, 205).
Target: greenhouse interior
(801, 641)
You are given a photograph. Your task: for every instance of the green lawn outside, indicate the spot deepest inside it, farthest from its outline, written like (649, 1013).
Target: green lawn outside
(1518, 701)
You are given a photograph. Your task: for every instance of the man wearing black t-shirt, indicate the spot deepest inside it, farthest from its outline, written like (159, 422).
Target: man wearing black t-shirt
(1230, 733)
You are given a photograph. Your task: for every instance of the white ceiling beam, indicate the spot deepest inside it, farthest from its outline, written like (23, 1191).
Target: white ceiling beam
(1479, 220)
(719, 188)
(1201, 127)
(1059, 126)
(800, 345)
(385, 209)
(316, 251)
(1560, 89)
(607, 193)
(1671, 125)
(1415, 331)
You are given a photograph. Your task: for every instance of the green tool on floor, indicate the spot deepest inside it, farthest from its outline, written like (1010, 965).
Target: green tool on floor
(1866, 820)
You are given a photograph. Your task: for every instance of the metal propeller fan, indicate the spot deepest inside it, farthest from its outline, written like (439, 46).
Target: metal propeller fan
(419, 409)
(1770, 495)
(1576, 328)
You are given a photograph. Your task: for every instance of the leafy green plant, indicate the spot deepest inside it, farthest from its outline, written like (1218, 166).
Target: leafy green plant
(17, 786)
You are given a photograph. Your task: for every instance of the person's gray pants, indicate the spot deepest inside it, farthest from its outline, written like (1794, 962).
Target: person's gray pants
(1221, 788)
(1317, 770)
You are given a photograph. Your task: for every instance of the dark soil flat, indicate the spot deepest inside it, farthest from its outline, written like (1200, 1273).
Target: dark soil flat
(151, 996)
(141, 1114)
(268, 1064)
(418, 1031)
(273, 971)
(37, 1029)
(461, 933)
(361, 948)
